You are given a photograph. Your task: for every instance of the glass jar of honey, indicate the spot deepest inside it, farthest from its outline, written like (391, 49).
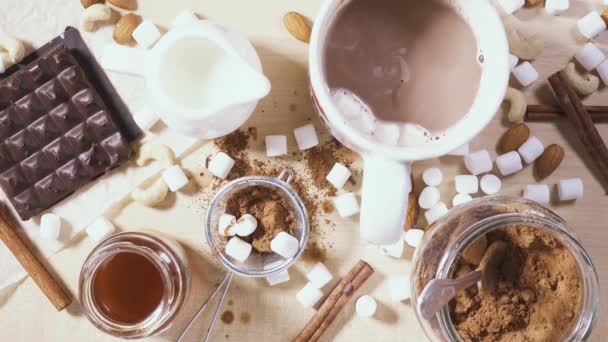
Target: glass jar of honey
(133, 284)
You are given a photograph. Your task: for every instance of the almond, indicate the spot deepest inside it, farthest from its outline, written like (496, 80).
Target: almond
(549, 161)
(123, 32)
(532, 3)
(87, 3)
(514, 138)
(298, 26)
(124, 4)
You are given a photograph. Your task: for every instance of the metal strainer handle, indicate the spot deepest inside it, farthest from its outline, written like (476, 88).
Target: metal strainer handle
(286, 176)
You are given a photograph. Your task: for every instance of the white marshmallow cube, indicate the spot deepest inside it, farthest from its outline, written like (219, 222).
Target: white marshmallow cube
(460, 151)
(432, 176)
(285, 245)
(146, 34)
(509, 163)
(276, 145)
(278, 278)
(395, 250)
(100, 229)
(555, 7)
(226, 225)
(346, 204)
(220, 165)
(538, 192)
(591, 25)
(461, 199)
(366, 306)
(513, 60)
(245, 225)
(387, 132)
(50, 226)
(466, 184)
(510, 6)
(122, 59)
(590, 56)
(185, 17)
(238, 249)
(525, 74)
(306, 137)
(602, 70)
(413, 237)
(319, 275)
(531, 149)
(309, 295)
(478, 162)
(570, 189)
(399, 287)
(429, 196)
(338, 175)
(491, 184)
(175, 178)
(436, 212)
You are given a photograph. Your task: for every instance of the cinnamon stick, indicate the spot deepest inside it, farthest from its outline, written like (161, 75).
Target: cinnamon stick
(581, 120)
(334, 303)
(540, 112)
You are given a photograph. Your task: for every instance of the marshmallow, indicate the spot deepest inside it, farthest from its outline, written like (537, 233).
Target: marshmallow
(555, 7)
(245, 225)
(346, 204)
(145, 118)
(309, 295)
(366, 306)
(511, 6)
(432, 176)
(278, 278)
(395, 250)
(387, 132)
(220, 165)
(50, 226)
(513, 60)
(238, 249)
(602, 70)
(399, 287)
(429, 197)
(285, 245)
(525, 74)
(460, 151)
(338, 175)
(306, 137)
(175, 178)
(413, 237)
(538, 193)
(436, 212)
(146, 34)
(570, 189)
(226, 225)
(509, 163)
(122, 59)
(466, 184)
(531, 149)
(319, 275)
(276, 145)
(185, 17)
(491, 184)
(591, 25)
(461, 199)
(100, 229)
(478, 162)
(590, 56)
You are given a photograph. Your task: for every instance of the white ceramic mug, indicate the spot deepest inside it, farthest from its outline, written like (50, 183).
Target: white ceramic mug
(387, 169)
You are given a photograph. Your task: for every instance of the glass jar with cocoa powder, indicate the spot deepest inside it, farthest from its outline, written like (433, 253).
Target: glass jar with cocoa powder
(548, 288)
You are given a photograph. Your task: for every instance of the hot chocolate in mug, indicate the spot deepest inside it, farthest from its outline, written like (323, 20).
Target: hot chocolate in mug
(387, 167)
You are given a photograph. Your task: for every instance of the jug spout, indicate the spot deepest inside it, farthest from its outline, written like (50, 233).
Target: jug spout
(250, 86)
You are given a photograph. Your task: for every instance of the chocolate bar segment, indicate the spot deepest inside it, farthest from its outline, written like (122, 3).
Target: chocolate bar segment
(56, 132)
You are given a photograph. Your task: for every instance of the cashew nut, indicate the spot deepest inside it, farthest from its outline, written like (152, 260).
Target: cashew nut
(524, 45)
(583, 84)
(155, 151)
(518, 103)
(93, 14)
(152, 196)
(14, 48)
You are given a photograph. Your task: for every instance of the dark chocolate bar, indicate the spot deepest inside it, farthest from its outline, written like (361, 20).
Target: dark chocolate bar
(56, 132)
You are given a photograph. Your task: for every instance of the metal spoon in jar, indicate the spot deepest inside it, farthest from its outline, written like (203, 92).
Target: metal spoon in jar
(439, 292)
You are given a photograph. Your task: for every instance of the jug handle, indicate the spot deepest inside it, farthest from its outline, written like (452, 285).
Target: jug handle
(384, 199)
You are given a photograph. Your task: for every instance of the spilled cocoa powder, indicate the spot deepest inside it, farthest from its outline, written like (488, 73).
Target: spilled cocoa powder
(227, 317)
(538, 294)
